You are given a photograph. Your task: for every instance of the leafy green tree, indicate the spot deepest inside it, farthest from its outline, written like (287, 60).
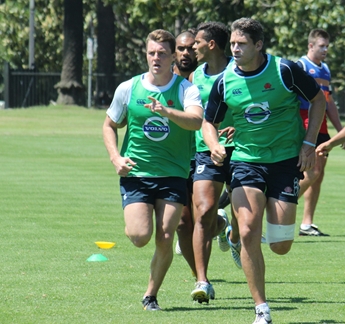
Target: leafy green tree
(134, 19)
(14, 34)
(287, 24)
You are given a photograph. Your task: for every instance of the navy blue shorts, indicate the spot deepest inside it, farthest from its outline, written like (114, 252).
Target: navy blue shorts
(278, 180)
(191, 176)
(205, 169)
(148, 190)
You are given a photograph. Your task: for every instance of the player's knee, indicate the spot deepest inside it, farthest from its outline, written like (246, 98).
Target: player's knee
(249, 234)
(164, 239)
(281, 247)
(139, 240)
(315, 174)
(206, 217)
(185, 226)
(280, 237)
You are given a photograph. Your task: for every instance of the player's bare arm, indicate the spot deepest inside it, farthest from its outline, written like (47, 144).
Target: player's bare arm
(123, 165)
(316, 112)
(210, 134)
(190, 118)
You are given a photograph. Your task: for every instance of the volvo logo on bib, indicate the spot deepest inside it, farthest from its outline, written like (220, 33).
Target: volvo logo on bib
(257, 113)
(156, 128)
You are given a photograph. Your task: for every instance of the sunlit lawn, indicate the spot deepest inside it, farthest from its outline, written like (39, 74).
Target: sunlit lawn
(59, 194)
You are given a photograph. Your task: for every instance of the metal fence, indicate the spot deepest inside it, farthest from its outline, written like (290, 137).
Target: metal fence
(29, 88)
(26, 88)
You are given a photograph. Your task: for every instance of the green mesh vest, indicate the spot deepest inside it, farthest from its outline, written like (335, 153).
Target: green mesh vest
(266, 115)
(205, 83)
(158, 146)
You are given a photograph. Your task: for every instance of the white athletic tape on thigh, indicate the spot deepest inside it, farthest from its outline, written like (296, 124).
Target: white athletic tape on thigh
(279, 233)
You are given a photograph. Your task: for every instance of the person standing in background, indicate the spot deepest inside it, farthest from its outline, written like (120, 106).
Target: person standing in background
(310, 186)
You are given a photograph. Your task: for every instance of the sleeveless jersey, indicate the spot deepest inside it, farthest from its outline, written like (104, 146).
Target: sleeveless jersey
(205, 83)
(266, 115)
(158, 146)
(322, 76)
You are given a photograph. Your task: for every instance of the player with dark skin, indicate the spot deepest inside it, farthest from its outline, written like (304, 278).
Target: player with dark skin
(208, 180)
(185, 64)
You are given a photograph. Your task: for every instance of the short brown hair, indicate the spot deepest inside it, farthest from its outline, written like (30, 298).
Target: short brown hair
(317, 33)
(162, 36)
(249, 26)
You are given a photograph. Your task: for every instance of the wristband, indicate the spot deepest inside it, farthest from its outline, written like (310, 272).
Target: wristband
(309, 143)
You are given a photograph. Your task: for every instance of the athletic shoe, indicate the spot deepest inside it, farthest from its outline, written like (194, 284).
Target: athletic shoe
(221, 238)
(263, 317)
(312, 231)
(177, 248)
(235, 250)
(150, 303)
(202, 291)
(212, 292)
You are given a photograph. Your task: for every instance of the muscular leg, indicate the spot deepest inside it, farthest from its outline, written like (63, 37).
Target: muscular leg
(311, 187)
(282, 213)
(234, 234)
(167, 218)
(205, 200)
(139, 223)
(223, 202)
(249, 205)
(185, 234)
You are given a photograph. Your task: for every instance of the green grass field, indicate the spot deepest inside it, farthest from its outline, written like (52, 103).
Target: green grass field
(59, 194)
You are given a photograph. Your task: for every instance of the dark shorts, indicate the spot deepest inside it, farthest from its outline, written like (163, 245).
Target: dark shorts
(322, 138)
(148, 190)
(205, 169)
(278, 180)
(191, 176)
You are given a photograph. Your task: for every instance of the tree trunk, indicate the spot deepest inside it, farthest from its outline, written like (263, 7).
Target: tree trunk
(105, 84)
(70, 88)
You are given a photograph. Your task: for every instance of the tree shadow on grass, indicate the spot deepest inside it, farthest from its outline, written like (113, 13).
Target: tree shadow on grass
(320, 240)
(302, 300)
(243, 282)
(276, 304)
(320, 322)
(248, 300)
(309, 282)
(194, 308)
